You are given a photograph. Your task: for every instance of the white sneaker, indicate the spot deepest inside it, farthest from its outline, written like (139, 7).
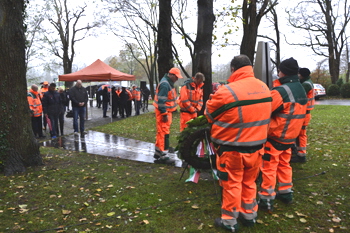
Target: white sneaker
(76, 133)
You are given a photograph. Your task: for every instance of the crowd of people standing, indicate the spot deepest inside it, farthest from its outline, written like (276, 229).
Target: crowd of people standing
(49, 104)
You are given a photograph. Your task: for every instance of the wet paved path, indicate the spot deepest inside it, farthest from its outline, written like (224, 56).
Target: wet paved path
(105, 144)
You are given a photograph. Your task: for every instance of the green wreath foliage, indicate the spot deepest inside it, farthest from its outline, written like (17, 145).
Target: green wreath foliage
(197, 130)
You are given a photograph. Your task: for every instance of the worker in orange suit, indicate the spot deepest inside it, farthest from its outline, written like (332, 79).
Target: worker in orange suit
(36, 110)
(289, 103)
(136, 96)
(191, 102)
(240, 115)
(165, 104)
(301, 142)
(191, 99)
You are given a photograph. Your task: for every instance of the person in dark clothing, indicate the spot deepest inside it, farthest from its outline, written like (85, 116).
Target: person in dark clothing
(79, 97)
(128, 103)
(145, 96)
(52, 107)
(115, 102)
(124, 96)
(105, 101)
(63, 97)
(99, 98)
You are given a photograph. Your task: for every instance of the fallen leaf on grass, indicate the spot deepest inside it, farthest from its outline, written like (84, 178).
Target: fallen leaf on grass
(187, 201)
(22, 206)
(82, 219)
(289, 215)
(23, 210)
(66, 212)
(110, 186)
(200, 226)
(300, 214)
(336, 219)
(144, 222)
(303, 220)
(275, 215)
(111, 214)
(195, 207)
(260, 221)
(109, 226)
(20, 187)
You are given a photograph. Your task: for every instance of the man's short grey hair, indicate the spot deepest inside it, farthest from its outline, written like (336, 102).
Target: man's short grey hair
(240, 61)
(199, 75)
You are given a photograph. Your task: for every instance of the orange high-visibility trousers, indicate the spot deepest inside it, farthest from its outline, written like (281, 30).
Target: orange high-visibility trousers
(302, 138)
(275, 165)
(237, 172)
(184, 117)
(162, 135)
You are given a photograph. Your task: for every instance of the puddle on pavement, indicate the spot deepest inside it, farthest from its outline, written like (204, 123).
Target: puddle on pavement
(108, 145)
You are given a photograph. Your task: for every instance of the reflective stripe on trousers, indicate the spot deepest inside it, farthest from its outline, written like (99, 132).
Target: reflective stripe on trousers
(238, 172)
(163, 131)
(302, 138)
(277, 168)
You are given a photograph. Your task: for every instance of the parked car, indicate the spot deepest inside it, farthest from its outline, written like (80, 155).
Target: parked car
(319, 90)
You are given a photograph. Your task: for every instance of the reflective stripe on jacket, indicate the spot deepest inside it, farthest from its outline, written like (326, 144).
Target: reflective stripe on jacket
(191, 97)
(34, 101)
(288, 110)
(165, 97)
(240, 111)
(136, 94)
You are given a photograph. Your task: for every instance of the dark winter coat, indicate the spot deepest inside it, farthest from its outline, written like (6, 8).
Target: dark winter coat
(51, 102)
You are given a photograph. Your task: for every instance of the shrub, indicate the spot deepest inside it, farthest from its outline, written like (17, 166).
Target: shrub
(345, 90)
(333, 90)
(340, 82)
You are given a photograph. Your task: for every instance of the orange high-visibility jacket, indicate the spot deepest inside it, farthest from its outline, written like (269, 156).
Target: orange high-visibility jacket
(310, 93)
(288, 110)
(240, 111)
(191, 97)
(34, 101)
(136, 94)
(165, 97)
(42, 91)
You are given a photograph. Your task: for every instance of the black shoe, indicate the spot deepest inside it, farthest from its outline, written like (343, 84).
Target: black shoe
(246, 222)
(105, 116)
(286, 198)
(298, 159)
(218, 223)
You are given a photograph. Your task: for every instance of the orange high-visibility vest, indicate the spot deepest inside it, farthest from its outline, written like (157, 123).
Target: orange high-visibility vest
(42, 91)
(240, 111)
(191, 97)
(34, 103)
(136, 94)
(129, 94)
(165, 97)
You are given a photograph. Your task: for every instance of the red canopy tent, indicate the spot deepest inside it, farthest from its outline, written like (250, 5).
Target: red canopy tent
(97, 71)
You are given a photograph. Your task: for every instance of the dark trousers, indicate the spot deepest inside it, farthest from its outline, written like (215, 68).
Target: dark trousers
(137, 106)
(61, 123)
(79, 112)
(128, 108)
(54, 125)
(105, 107)
(37, 126)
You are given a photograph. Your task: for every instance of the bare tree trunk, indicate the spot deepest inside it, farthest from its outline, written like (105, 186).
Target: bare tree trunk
(18, 146)
(251, 20)
(203, 45)
(165, 58)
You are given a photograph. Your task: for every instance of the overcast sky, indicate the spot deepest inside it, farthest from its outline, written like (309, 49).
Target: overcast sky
(106, 44)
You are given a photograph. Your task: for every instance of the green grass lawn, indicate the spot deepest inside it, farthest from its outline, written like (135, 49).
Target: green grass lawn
(78, 192)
